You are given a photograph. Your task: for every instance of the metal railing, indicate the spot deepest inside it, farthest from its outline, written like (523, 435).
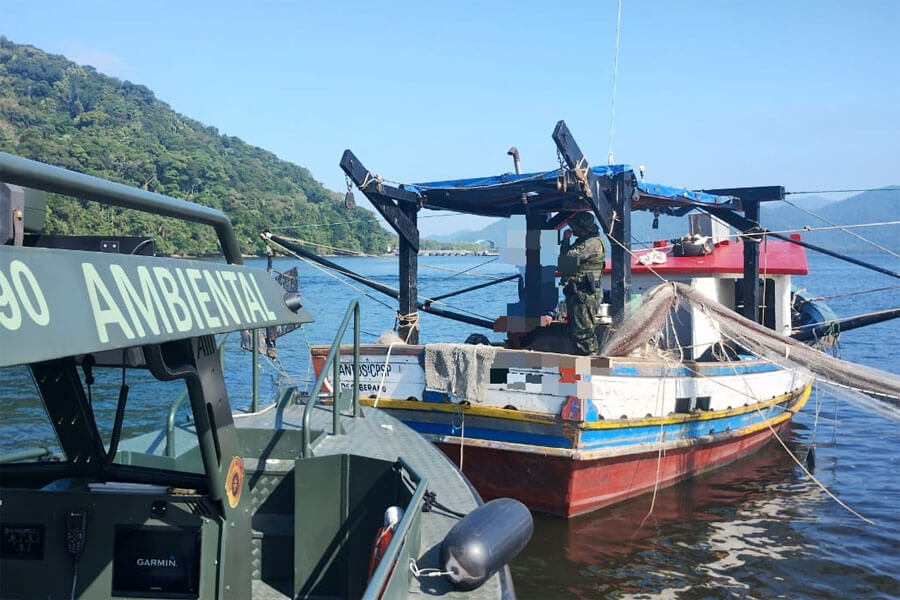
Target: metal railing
(333, 360)
(401, 540)
(30, 454)
(29, 173)
(176, 404)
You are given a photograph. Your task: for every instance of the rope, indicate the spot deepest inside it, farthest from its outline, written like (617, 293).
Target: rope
(881, 289)
(417, 572)
(360, 290)
(465, 271)
(387, 359)
(842, 228)
(890, 189)
(780, 441)
(659, 453)
(772, 429)
(330, 274)
(371, 220)
(813, 477)
(410, 321)
(318, 245)
(612, 117)
(431, 503)
(806, 229)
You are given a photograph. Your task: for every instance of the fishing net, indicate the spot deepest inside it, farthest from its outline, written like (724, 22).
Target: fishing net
(641, 331)
(462, 370)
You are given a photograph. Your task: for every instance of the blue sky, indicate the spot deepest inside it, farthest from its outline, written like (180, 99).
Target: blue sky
(710, 94)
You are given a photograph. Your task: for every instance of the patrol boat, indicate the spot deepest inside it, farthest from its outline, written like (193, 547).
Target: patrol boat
(692, 372)
(295, 500)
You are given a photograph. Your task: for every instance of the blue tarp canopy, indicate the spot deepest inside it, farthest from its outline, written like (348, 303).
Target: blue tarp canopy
(510, 194)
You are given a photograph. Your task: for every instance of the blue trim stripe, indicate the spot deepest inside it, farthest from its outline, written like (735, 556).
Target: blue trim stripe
(741, 368)
(627, 436)
(595, 439)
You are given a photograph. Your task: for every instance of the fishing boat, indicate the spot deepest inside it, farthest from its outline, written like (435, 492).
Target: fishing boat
(292, 500)
(691, 374)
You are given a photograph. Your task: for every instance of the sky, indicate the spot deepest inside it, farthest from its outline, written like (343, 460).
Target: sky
(709, 94)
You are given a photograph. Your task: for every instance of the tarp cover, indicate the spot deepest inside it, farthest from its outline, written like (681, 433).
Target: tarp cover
(510, 194)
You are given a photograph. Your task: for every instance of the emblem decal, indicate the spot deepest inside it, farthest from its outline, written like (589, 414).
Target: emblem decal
(234, 481)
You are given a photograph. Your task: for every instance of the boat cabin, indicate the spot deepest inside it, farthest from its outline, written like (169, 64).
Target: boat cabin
(736, 270)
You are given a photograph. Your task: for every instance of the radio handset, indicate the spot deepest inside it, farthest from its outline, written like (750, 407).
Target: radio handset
(76, 525)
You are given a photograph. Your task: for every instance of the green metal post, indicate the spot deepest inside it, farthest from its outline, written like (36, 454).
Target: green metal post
(333, 355)
(356, 409)
(255, 358)
(336, 387)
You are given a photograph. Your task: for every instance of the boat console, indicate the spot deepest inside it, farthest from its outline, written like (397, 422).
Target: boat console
(99, 349)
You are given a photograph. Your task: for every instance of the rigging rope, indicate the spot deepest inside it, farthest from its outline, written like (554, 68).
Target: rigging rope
(751, 396)
(888, 189)
(360, 290)
(842, 228)
(612, 117)
(330, 274)
(856, 293)
(370, 220)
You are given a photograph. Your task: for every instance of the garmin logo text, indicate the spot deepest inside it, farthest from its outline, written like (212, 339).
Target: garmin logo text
(157, 562)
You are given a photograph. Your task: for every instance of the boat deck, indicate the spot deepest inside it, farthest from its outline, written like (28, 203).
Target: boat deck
(380, 436)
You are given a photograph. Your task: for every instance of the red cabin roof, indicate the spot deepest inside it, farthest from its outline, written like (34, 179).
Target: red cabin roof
(776, 257)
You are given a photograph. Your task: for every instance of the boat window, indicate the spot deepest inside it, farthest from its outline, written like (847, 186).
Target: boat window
(26, 434)
(768, 302)
(145, 439)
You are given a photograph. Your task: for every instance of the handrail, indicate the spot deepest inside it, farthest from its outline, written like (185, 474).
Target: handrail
(386, 567)
(30, 173)
(335, 384)
(176, 404)
(25, 455)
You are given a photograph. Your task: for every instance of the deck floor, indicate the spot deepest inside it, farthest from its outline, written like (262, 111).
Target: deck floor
(380, 436)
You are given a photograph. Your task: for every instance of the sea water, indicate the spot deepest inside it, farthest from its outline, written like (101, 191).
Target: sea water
(758, 528)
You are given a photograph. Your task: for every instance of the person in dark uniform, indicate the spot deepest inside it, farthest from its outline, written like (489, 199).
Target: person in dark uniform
(581, 267)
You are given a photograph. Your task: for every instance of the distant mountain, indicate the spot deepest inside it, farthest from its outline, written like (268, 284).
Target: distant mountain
(58, 112)
(495, 231)
(874, 206)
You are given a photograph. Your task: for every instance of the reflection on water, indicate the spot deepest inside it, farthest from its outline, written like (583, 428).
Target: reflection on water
(697, 534)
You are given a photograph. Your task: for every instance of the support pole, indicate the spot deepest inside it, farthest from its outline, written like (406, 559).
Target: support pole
(409, 288)
(533, 225)
(254, 354)
(620, 242)
(750, 284)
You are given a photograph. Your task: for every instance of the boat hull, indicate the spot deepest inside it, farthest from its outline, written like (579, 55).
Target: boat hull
(569, 439)
(568, 487)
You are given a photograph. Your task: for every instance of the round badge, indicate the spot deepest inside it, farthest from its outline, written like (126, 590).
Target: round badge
(234, 481)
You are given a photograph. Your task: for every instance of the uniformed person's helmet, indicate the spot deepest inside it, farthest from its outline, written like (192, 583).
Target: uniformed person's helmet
(584, 222)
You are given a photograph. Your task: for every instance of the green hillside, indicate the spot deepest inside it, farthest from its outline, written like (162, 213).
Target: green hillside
(58, 112)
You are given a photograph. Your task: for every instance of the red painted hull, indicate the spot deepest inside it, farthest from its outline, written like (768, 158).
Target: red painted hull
(566, 487)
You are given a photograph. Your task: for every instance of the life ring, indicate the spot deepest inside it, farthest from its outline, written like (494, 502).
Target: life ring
(383, 537)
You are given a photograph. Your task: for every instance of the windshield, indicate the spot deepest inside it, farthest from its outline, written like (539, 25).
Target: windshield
(149, 406)
(26, 434)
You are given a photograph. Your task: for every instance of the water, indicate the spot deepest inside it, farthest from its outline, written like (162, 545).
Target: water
(759, 528)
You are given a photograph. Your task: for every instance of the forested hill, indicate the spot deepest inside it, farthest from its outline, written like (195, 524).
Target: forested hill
(58, 112)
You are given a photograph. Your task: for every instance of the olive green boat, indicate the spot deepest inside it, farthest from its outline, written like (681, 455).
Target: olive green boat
(299, 499)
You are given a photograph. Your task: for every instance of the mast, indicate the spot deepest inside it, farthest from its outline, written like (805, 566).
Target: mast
(399, 207)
